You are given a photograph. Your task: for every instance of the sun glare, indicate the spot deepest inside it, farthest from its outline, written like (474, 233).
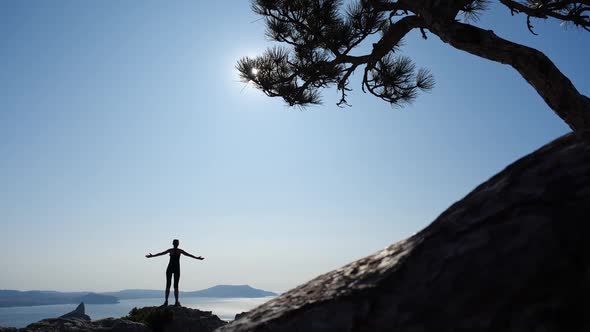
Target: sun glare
(254, 71)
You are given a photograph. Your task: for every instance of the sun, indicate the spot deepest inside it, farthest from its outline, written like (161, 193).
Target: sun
(254, 71)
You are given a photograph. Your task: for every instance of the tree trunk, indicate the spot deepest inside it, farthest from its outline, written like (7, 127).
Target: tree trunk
(554, 87)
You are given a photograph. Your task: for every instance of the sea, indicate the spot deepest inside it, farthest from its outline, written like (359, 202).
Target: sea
(224, 308)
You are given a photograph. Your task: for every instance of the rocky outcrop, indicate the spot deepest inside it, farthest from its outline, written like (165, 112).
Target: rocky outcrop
(148, 319)
(77, 321)
(513, 255)
(78, 313)
(240, 315)
(7, 329)
(176, 319)
(193, 320)
(78, 325)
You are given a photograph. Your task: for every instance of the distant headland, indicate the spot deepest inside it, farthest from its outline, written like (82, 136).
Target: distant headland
(14, 298)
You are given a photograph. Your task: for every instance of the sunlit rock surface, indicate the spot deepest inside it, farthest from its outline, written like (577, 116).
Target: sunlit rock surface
(513, 255)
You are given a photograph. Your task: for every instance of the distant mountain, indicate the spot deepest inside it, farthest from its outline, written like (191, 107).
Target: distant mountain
(230, 291)
(215, 291)
(13, 298)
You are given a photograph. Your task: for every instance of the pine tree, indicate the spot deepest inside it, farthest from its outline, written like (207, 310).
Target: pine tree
(322, 39)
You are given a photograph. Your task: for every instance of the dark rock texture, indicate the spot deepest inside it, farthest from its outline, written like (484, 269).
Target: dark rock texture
(78, 325)
(177, 319)
(513, 255)
(7, 329)
(193, 320)
(240, 315)
(78, 313)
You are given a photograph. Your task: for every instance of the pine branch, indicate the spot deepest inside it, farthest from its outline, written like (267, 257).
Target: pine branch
(569, 11)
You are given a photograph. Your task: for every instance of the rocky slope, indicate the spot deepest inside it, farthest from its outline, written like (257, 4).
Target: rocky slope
(513, 255)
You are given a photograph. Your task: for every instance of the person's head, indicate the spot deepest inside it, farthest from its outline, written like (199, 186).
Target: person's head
(175, 243)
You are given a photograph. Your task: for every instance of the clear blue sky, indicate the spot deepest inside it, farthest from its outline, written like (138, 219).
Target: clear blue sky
(123, 126)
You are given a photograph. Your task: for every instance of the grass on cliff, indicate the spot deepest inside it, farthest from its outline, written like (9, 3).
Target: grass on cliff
(155, 318)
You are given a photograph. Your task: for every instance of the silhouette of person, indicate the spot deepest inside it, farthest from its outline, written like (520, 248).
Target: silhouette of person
(173, 268)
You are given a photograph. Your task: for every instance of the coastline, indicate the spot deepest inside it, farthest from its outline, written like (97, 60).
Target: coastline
(225, 308)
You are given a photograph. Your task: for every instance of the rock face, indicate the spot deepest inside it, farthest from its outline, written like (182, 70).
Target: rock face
(513, 255)
(78, 313)
(177, 319)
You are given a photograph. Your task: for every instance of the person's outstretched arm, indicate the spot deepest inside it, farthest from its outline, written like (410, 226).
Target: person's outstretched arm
(189, 255)
(159, 254)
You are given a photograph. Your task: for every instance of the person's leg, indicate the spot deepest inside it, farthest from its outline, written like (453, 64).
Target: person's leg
(176, 279)
(168, 282)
